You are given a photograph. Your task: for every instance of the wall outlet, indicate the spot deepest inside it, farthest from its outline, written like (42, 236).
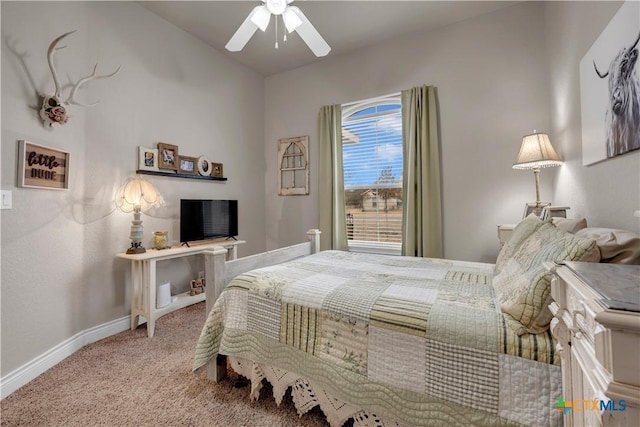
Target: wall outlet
(200, 274)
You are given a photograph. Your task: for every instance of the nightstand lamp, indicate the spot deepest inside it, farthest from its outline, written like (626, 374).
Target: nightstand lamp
(536, 152)
(137, 195)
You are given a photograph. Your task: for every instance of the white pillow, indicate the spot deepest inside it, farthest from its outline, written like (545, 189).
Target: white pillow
(569, 225)
(616, 246)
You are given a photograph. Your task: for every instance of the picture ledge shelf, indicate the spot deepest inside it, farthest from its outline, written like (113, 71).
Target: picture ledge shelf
(180, 175)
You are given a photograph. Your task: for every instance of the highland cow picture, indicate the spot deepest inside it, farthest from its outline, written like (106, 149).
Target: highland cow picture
(610, 89)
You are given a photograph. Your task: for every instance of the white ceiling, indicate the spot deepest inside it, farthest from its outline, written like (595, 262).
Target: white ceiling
(345, 25)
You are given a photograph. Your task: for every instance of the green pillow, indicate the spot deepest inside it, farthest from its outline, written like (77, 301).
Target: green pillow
(521, 232)
(523, 286)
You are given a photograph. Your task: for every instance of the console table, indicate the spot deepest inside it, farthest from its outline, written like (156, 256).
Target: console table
(143, 280)
(596, 322)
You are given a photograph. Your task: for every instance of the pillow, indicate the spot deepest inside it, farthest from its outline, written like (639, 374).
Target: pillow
(616, 246)
(521, 232)
(523, 287)
(569, 225)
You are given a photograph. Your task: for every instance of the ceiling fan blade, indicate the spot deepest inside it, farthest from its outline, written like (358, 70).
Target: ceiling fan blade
(310, 35)
(243, 33)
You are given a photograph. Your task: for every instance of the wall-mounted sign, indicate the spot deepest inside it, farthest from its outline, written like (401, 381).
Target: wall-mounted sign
(42, 167)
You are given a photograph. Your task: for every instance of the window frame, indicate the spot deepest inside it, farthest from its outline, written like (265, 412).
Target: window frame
(365, 246)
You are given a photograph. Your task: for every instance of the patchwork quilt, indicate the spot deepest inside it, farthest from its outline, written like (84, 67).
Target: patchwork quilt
(417, 340)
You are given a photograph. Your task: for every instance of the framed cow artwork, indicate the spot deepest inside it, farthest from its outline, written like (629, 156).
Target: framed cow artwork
(610, 89)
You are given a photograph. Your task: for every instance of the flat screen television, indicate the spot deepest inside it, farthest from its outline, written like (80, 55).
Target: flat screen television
(207, 219)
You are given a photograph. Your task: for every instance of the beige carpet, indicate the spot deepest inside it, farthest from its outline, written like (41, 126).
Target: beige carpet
(132, 380)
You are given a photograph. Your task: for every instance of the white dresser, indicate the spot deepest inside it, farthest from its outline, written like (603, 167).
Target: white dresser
(596, 322)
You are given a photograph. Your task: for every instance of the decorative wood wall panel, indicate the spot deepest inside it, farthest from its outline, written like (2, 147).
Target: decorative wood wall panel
(293, 166)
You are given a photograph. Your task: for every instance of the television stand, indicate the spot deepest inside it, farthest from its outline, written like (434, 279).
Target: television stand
(144, 283)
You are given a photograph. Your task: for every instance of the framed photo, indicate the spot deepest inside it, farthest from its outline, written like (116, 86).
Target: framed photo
(216, 170)
(167, 156)
(530, 208)
(554, 212)
(609, 125)
(147, 159)
(42, 167)
(188, 165)
(204, 166)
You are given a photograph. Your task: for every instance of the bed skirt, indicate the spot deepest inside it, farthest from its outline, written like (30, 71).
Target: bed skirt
(305, 394)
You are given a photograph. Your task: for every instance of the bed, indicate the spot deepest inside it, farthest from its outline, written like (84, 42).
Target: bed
(388, 340)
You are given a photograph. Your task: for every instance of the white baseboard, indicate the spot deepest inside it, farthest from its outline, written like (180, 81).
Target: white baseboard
(30, 370)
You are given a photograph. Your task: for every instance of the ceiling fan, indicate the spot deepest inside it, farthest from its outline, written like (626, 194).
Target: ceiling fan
(294, 20)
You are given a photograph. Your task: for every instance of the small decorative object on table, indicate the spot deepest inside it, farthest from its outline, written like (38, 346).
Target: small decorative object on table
(197, 286)
(161, 240)
(554, 212)
(535, 208)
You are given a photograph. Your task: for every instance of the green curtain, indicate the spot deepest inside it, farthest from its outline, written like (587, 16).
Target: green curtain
(422, 212)
(330, 179)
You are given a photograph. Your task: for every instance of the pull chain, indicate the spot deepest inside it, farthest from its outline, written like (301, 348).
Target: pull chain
(284, 38)
(276, 31)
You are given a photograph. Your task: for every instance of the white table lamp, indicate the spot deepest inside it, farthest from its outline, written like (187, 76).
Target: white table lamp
(536, 152)
(137, 195)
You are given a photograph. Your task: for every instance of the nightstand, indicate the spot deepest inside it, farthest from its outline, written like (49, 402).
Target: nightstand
(596, 309)
(504, 233)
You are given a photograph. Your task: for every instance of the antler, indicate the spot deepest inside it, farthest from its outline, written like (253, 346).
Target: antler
(71, 99)
(93, 76)
(52, 110)
(52, 50)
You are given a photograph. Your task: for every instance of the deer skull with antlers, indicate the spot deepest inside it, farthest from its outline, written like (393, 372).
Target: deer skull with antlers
(53, 107)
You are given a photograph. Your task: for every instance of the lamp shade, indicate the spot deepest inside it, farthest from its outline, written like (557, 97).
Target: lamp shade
(137, 194)
(536, 151)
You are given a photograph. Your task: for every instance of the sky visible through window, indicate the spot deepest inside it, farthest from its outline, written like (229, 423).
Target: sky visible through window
(378, 153)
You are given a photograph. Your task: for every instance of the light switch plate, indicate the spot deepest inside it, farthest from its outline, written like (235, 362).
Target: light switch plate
(6, 202)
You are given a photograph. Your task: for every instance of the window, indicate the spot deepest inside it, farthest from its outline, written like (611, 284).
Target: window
(372, 166)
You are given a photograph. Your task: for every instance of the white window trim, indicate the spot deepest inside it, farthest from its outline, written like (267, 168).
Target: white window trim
(351, 107)
(383, 248)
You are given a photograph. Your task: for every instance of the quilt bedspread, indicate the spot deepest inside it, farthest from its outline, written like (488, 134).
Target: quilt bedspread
(418, 340)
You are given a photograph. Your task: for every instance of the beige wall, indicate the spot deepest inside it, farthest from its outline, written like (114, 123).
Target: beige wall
(499, 76)
(59, 273)
(606, 193)
(492, 78)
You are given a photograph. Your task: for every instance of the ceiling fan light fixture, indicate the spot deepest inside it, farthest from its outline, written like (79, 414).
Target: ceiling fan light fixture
(277, 7)
(291, 20)
(261, 17)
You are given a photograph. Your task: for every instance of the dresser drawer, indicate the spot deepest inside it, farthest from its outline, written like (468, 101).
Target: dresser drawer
(579, 301)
